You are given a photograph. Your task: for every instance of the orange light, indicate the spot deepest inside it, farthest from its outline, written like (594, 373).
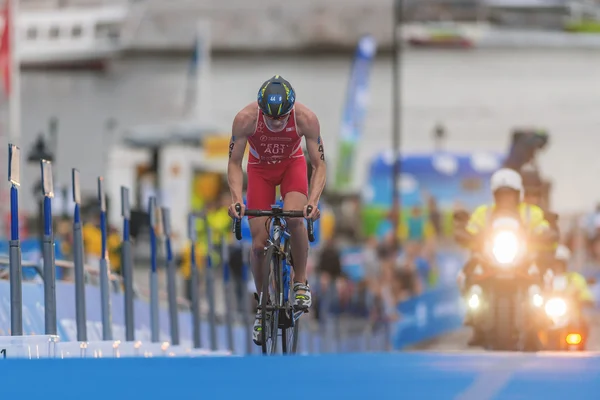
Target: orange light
(573, 338)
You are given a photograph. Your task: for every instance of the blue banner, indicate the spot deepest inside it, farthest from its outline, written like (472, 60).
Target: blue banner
(425, 317)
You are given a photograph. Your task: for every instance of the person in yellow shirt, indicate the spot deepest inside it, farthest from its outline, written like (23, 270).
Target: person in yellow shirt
(113, 243)
(507, 189)
(327, 224)
(186, 264)
(92, 242)
(219, 224)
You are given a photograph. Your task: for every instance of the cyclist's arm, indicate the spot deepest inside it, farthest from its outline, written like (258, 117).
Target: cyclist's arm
(311, 130)
(242, 124)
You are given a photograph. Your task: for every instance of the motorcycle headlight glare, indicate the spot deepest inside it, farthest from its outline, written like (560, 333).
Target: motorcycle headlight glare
(537, 300)
(556, 307)
(505, 247)
(474, 301)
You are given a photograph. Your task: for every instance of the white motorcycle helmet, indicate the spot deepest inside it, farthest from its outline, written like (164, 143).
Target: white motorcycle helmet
(507, 178)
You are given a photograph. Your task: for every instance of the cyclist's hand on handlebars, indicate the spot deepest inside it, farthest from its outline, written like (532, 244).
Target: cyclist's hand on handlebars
(233, 212)
(315, 213)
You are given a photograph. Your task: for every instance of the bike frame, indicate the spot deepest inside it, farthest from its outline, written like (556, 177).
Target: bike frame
(283, 272)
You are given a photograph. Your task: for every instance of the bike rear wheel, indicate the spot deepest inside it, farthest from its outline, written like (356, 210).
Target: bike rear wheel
(270, 299)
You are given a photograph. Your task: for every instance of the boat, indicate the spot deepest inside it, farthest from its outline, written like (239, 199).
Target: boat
(70, 37)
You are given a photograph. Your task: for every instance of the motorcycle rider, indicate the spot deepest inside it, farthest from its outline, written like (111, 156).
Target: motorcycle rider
(507, 189)
(577, 285)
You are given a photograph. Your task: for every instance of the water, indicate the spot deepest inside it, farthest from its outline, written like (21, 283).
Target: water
(478, 95)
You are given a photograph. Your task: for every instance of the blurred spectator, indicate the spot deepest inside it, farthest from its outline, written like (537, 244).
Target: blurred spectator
(236, 266)
(330, 263)
(92, 240)
(219, 221)
(405, 284)
(412, 260)
(64, 232)
(417, 227)
(329, 269)
(113, 243)
(435, 217)
(371, 261)
(595, 250)
(327, 222)
(186, 264)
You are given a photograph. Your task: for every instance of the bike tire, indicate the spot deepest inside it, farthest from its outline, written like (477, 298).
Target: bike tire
(269, 330)
(296, 330)
(289, 339)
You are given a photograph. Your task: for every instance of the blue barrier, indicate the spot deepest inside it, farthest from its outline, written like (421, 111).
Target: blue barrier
(31, 252)
(33, 320)
(380, 376)
(431, 314)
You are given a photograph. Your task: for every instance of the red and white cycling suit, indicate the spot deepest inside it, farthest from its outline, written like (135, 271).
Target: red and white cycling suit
(276, 158)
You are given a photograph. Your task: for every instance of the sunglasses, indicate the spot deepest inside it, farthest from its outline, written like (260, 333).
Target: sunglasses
(279, 118)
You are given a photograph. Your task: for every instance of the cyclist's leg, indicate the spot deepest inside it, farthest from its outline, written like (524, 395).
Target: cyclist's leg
(260, 195)
(294, 189)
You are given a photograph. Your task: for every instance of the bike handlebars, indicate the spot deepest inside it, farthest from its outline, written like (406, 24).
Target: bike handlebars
(274, 212)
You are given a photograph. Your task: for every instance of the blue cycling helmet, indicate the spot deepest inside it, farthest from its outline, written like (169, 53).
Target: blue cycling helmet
(276, 97)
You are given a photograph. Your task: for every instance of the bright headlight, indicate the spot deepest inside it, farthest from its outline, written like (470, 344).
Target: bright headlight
(505, 247)
(537, 300)
(556, 307)
(474, 301)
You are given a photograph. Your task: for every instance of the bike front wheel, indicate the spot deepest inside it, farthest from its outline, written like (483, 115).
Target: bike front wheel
(289, 339)
(269, 300)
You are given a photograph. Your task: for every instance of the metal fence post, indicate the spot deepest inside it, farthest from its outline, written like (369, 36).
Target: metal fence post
(80, 311)
(210, 288)
(16, 284)
(247, 309)
(127, 266)
(229, 309)
(48, 250)
(104, 267)
(171, 278)
(154, 226)
(195, 283)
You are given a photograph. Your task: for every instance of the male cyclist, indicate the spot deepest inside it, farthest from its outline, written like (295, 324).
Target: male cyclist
(273, 128)
(507, 189)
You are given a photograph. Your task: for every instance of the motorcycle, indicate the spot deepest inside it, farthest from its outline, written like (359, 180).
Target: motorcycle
(567, 330)
(505, 292)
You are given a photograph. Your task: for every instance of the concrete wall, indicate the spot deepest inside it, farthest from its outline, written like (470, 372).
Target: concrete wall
(264, 24)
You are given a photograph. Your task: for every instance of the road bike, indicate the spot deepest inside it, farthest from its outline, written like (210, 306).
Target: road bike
(275, 303)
